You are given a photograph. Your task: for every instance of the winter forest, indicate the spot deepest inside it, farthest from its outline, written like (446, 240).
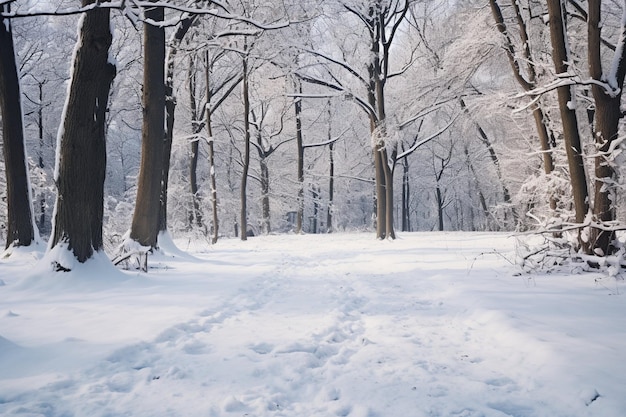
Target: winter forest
(316, 208)
(237, 119)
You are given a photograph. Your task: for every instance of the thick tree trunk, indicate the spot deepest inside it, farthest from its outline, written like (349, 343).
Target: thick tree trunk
(607, 117)
(381, 194)
(388, 197)
(567, 108)
(82, 154)
(384, 216)
(20, 229)
(145, 224)
(608, 114)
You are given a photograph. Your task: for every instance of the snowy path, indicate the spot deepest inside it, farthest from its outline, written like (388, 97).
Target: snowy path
(300, 326)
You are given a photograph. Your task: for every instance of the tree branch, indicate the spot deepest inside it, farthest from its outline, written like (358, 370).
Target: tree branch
(416, 145)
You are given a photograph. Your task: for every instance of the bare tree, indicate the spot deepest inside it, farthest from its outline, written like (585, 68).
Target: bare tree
(181, 30)
(526, 79)
(381, 21)
(266, 146)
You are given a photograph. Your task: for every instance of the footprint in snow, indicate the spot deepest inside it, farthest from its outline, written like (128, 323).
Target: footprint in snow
(262, 348)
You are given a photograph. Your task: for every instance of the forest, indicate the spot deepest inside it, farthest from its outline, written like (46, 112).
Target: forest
(316, 208)
(126, 121)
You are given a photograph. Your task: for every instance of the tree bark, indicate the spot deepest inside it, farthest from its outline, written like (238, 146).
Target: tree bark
(331, 174)
(196, 215)
(170, 106)
(82, 154)
(209, 128)
(145, 224)
(406, 196)
(42, 197)
(243, 215)
(439, 197)
(265, 198)
(300, 150)
(607, 116)
(569, 120)
(20, 228)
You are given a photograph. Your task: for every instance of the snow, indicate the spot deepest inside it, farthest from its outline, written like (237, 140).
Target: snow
(431, 324)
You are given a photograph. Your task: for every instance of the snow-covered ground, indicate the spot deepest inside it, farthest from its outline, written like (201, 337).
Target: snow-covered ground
(432, 324)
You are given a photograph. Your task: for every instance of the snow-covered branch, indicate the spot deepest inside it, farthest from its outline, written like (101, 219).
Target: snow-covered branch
(342, 64)
(327, 142)
(122, 5)
(423, 113)
(567, 80)
(426, 140)
(349, 96)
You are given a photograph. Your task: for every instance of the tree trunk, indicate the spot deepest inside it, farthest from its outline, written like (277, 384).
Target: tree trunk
(607, 116)
(42, 196)
(406, 196)
(145, 224)
(265, 196)
(381, 194)
(331, 179)
(439, 198)
(300, 149)
(20, 228)
(384, 173)
(379, 170)
(388, 171)
(209, 128)
(243, 215)
(196, 215)
(527, 83)
(82, 154)
(567, 109)
(315, 195)
(170, 106)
